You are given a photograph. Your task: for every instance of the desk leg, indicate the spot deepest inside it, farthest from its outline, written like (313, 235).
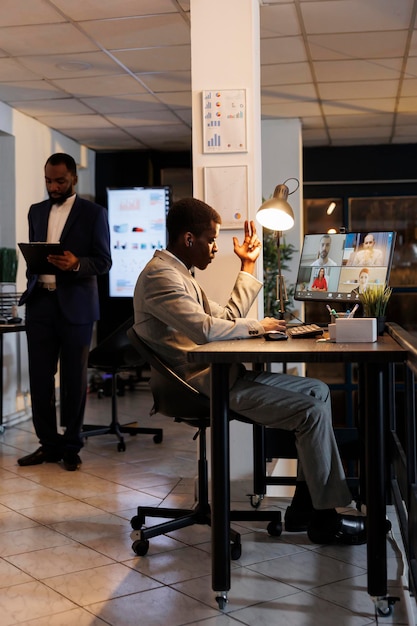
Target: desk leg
(220, 481)
(375, 471)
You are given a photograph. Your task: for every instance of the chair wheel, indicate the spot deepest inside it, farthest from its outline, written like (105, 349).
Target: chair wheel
(235, 551)
(157, 438)
(137, 522)
(121, 446)
(255, 500)
(385, 612)
(274, 528)
(140, 547)
(221, 601)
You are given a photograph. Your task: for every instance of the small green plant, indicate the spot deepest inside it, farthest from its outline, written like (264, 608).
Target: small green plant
(375, 299)
(8, 265)
(270, 256)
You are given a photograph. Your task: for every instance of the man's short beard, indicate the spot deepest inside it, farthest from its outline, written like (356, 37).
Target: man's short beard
(62, 197)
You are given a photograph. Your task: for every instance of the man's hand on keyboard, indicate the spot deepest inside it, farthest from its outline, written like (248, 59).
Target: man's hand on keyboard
(271, 323)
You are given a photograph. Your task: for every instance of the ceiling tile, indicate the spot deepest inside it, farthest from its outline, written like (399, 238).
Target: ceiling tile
(377, 45)
(176, 100)
(411, 68)
(64, 122)
(144, 118)
(160, 81)
(29, 90)
(345, 16)
(11, 70)
(287, 94)
(313, 122)
(172, 136)
(101, 85)
(21, 12)
(292, 109)
(285, 74)
(382, 133)
(126, 103)
(279, 20)
(59, 106)
(359, 107)
(411, 138)
(407, 119)
(359, 89)
(408, 105)
(139, 32)
(360, 121)
(185, 115)
(334, 71)
(413, 43)
(166, 60)
(289, 49)
(315, 137)
(80, 64)
(107, 139)
(44, 39)
(101, 9)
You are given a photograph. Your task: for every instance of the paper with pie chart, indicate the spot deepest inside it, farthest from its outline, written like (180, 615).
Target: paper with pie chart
(225, 189)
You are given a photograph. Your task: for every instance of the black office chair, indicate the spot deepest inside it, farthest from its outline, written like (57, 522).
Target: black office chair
(175, 398)
(115, 355)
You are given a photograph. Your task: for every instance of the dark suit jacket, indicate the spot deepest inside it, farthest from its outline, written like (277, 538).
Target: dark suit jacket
(85, 234)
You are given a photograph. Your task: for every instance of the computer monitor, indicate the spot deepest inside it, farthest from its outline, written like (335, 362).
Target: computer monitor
(337, 267)
(137, 221)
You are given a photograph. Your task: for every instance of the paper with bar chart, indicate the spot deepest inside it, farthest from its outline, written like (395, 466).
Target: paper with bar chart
(224, 120)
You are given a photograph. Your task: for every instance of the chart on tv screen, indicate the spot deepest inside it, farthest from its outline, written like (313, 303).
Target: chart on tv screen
(137, 221)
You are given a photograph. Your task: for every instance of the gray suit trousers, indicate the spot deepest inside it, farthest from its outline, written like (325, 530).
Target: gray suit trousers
(301, 405)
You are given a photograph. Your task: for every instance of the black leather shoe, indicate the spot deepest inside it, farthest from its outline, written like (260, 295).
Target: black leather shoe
(349, 530)
(297, 520)
(72, 461)
(39, 456)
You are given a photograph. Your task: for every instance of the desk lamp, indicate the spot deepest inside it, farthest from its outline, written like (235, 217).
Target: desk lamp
(277, 214)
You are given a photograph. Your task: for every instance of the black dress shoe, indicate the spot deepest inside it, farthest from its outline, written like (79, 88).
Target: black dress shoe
(349, 530)
(39, 456)
(297, 520)
(72, 461)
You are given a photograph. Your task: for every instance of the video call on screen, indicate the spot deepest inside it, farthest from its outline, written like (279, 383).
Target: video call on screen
(338, 266)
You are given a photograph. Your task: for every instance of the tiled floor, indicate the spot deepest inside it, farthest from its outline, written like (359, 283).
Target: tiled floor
(66, 556)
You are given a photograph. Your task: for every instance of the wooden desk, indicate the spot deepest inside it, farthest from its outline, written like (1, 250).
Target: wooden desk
(5, 328)
(376, 360)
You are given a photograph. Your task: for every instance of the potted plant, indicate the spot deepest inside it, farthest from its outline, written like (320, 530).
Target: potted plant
(374, 301)
(270, 257)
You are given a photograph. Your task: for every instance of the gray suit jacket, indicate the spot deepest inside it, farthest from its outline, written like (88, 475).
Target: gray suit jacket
(170, 315)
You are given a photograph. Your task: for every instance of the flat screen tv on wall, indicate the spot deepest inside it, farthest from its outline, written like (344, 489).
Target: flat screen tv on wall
(137, 220)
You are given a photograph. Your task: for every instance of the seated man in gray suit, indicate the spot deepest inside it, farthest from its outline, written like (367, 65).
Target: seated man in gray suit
(173, 315)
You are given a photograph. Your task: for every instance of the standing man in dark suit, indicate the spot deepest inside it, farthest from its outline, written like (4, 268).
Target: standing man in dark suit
(61, 309)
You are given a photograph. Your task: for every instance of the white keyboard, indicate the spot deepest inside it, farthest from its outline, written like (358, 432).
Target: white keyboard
(304, 331)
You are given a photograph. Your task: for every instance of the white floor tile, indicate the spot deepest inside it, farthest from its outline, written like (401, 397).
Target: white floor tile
(67, 559)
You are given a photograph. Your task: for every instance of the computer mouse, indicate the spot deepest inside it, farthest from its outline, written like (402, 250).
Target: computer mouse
(275, 335)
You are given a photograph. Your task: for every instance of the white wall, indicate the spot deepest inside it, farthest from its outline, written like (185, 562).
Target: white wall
(25, 145)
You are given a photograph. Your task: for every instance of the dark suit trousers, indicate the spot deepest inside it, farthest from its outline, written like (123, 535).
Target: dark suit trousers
(51, 338)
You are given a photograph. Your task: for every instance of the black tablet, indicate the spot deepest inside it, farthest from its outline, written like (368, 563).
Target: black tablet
(36, 254)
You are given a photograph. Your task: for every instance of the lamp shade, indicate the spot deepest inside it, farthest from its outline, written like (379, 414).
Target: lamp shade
(276, 213)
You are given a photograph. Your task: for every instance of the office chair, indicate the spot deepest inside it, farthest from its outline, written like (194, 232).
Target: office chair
(114, 355)
(175, 398)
